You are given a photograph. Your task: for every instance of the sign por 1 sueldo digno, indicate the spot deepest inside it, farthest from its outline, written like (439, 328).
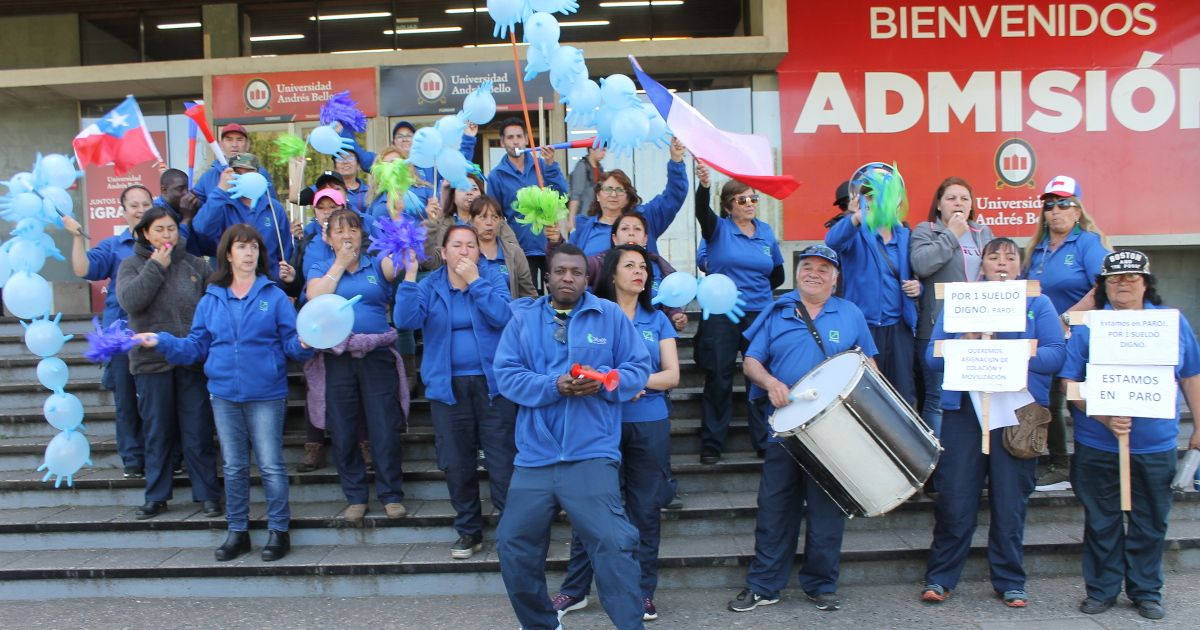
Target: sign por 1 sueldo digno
(984, 306)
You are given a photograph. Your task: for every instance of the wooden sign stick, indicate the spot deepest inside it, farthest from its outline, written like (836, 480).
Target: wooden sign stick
(1073, 393)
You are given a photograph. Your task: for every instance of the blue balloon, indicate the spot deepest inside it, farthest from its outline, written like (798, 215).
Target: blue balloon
(618, 91)
(505, 13)
(542, 30)
(630, 127)
(326, 320)
(603, 119)
(583, 99)
(659, 134)
(65, 455)
(25, 205)
(25, 255)
(450, 128)
(56, 170)
(52, 373)
(427, 144)
(55, 198)
(44, 338)
(718, 295)
(5, 270)
(453, 166)
(536, 62)
(326, 139)
(554, 6)
(480, 106)
(21, 182)
(27, 295)
(64, 411)
(250, 185)
(566, 66)
(676, 290)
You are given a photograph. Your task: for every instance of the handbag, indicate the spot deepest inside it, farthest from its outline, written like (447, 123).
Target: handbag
(1027, 439)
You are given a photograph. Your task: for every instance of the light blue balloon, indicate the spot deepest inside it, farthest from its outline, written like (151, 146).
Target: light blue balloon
(565, 80)
(618, 91)
(27, 295)
(326, 139)
(326, 320)
(250, 185)
(676, 290)
(26, 205)
(25, 255)
(505, 13)
(480, 106)
(44, 338)
(718, 295)
(453, 166)
(65, 455)
(21, 182)
(554, 6)
(541, 29)
(64, 411)
(603, 120)
(54, 198)
(52, 373)
(536, 62)
(427, 144)
(658, 134)
(583, 99)
(57, 170)
(630, 127)
(5, 270)
(450, 128)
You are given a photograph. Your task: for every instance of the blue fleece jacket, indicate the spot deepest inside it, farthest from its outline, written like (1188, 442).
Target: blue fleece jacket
(503, 184)
(863, 268)
(426, 305)
(529, 361)
(268, 215)
(245, 359)
(1041, 323)
(594, 237)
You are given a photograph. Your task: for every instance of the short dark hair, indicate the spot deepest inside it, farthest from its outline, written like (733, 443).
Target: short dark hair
(148, 218)
(631, 215)
(606, 286)
(566, 249)
(999, 243)
(1151, 296)
(729, 191)
(344, 217)
(512, 121)
(482, 204)
(237, 233)
(125, 193)
(934, 215)
(170, 175)
(456, 228)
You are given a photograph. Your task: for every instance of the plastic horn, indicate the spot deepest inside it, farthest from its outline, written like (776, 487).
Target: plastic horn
(558, 146)
(808, 394)
(610, 380)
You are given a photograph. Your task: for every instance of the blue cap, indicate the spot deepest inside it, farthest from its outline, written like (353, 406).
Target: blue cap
(821, 251)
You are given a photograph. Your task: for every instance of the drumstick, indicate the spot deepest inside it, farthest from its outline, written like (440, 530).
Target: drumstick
(1123, 463)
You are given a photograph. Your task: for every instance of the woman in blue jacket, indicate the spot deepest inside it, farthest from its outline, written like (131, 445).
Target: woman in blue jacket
(645, 428)
(462, 307)
(1065, 255)
(615, 196)
(363, 382)
(964, 470)
(244, 331)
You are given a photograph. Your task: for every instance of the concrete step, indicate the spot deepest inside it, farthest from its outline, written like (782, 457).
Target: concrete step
(23, 368)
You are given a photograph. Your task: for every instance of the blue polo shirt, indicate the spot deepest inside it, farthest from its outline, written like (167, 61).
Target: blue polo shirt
(652, 326)
(1070, 271)
(890, 296)
(465, 359)
(370, 313)
(747, 260)
(1149, 435)
(103, 262)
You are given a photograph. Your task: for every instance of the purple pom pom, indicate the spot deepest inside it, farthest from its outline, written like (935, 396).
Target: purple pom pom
(341, 108)
(107, 343)
(393, 238)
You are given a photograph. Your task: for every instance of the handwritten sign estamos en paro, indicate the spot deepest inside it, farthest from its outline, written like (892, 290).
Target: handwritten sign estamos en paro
(994, 365)
(1134, 337)
(1144, 391)
(984, 306)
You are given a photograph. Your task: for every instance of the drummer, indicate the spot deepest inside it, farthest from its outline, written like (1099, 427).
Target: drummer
(782, 350)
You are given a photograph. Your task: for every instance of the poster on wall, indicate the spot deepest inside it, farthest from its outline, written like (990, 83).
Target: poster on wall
(102, 199)
(440, 89)
(1005, 96)
(289, 96)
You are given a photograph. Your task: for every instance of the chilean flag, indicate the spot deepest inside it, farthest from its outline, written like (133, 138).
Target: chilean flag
(120, 139)
(744, 157)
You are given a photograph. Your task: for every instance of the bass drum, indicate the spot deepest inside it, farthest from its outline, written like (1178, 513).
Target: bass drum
(856, 437)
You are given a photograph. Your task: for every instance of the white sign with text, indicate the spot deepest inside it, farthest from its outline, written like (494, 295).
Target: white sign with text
(984, 306)
(994, 365)
(1143, 391)
(1134, 337)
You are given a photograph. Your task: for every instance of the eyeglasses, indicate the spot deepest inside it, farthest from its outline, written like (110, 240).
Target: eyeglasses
(404, 136)
(613, 190)
(560, 333)
(746, 200)
(1122, 278)
(1050, 204)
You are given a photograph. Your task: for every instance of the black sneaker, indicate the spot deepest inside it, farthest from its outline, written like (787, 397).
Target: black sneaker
(134, 473)
(709, 455)
(748, 600)
(1093, 606)
(1150, 609)
(676, 503)
(466, 547)
(564, 603)
(827, 602)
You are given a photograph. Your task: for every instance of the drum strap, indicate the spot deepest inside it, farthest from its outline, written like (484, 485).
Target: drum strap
(812, 328)
(888, 259)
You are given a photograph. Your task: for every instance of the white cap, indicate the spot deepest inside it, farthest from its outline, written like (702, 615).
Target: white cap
(1062, 186)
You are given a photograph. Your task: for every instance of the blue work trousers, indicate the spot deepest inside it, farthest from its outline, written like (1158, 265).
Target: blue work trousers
(176, 415)
(131, 443)
(718, 342)
(365, 389)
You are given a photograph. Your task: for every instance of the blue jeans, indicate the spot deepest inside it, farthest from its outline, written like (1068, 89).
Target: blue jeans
(931, 410)
(962, 472)
(358, 390)
(646, 486)
(131, 444)
(176, 412)
(458, 428)
(1117, 547)
(590, 492)
(786, 495)
(718, 342)
(254, 425)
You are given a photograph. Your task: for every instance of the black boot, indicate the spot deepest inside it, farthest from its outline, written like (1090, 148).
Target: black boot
(278, 546)
(236, 544)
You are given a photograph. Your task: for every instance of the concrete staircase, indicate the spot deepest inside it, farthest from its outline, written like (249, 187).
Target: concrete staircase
(84, 541)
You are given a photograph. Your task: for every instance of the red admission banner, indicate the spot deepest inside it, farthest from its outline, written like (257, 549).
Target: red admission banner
(1005, 96)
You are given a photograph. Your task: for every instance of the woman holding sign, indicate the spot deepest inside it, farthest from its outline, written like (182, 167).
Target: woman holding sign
(964, 468)
(1116, 552)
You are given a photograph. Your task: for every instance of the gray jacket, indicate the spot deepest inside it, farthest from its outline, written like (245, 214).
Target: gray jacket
(159, 300)
(936, 256)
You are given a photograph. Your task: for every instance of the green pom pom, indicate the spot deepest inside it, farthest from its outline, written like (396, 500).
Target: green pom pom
(540, 207)
(887, 205)
(393, 178)
(287, 147)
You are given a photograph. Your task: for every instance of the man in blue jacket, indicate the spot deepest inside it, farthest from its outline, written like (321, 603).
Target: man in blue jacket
(234, 140)
(514, 172)
(568, 436)
(267, 215)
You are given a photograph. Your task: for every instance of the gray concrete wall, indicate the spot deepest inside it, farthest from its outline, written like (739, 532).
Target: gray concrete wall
(222, 37)
(39, 41)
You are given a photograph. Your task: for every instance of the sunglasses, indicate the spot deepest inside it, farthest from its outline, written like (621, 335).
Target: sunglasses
(820, 250)
(746, 200)
(613, 190)
(1051, 204)
(560, 333)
